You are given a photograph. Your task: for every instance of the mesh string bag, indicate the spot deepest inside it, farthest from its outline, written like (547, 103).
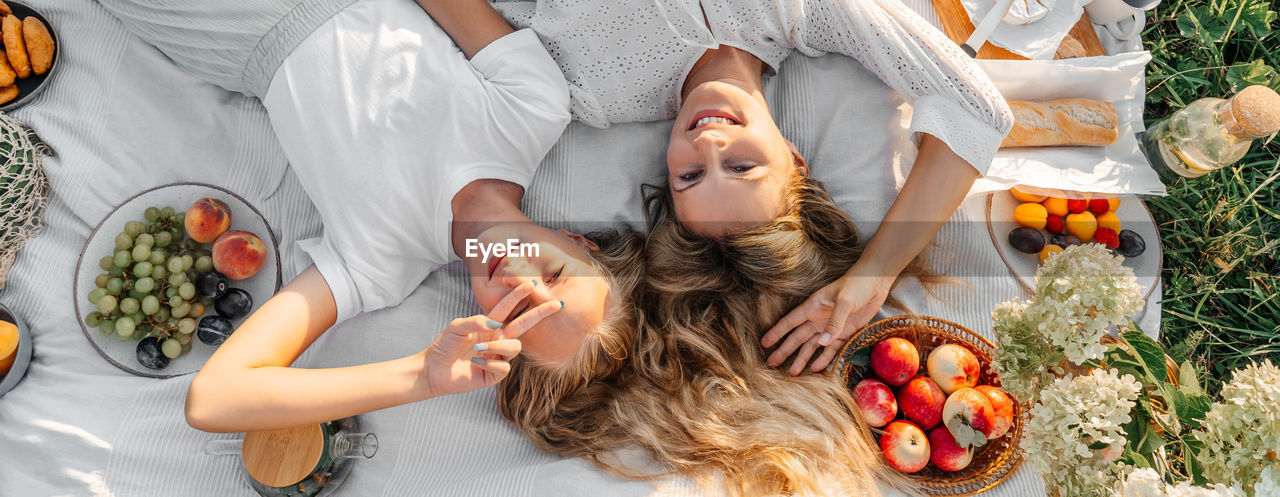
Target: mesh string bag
(24, 190)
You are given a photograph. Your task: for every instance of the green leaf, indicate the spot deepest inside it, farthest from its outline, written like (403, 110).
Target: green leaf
(1135, 459)
(1149, 352)
(1257, 18)
(861, 357)
(1188, 380)
(1098, 446)
(1254, 73)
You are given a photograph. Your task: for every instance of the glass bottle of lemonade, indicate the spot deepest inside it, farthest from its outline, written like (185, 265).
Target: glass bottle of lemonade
(1211, 133)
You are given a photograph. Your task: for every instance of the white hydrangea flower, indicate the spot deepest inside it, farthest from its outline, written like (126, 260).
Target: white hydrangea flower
(1241, 434)
(1145, 482)
(1023, 357)
(1079, 294)
(1072, 413)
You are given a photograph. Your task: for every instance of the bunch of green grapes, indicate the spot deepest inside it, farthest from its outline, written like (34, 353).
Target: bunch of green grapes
(148, 284)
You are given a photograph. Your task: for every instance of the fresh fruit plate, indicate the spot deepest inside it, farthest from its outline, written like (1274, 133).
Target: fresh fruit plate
(15, 349)
(168, 275)
(929, 385)
(1011, 220)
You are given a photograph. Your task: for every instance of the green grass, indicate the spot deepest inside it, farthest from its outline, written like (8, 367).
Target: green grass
(1221, 233)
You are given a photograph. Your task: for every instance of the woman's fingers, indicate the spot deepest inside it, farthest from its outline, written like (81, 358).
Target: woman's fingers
(828, 354)
(835, 324)
(496, 367)
(498, 349)
(798, 337)
(803, 356)
(785, 325)
(520, 325)
(502, 310)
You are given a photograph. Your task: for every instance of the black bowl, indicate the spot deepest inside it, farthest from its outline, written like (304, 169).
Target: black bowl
(32, 85)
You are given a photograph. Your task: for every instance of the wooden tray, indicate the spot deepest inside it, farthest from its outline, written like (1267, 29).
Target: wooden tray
(956, 22)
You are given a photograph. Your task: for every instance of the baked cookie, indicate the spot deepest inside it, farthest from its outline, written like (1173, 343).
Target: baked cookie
(39, 44)
(14, 46)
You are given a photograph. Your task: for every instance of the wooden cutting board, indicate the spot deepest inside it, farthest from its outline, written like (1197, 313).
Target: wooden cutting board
(955, 21)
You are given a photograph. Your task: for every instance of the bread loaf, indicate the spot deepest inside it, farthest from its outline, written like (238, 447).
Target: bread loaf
(1068, 122)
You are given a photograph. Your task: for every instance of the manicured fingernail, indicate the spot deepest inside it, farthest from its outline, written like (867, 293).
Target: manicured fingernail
(493, 325)
(477, 360)
(825, 339)
(562, 304)
(480, 346)
(535, 282)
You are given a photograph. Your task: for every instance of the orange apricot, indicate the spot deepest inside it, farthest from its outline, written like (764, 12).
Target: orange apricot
(1031, 215)
(1026, 197)
(1048, 250)
(1056, 206)
(1109, 220)
(1082, 225)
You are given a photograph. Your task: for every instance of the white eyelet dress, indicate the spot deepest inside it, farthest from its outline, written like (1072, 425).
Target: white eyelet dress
(626, 60)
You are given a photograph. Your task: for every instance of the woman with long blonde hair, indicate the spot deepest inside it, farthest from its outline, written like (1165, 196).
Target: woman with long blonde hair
(693, 388)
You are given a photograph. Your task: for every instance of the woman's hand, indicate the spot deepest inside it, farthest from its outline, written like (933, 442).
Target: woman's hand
(475, 352)
(827, 319)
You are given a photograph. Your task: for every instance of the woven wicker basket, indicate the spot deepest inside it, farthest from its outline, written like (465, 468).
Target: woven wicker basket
(992, 463)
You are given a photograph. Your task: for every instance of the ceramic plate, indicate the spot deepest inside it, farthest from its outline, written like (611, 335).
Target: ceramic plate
(11, 379)
(101, 243)
(1133, 215)
(32, 85)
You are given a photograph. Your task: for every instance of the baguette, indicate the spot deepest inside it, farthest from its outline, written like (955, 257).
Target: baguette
(1068, 122)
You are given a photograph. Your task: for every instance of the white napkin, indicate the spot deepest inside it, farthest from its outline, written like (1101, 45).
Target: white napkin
(1035, 40)
(1118, 168)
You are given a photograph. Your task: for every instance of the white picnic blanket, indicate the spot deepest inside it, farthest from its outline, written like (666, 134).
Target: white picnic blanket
(123, 119)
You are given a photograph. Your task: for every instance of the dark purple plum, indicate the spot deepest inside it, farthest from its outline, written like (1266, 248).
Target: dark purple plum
(211, 285)
(234, 304)
(1064, 240)
(213, 330)
(150, 355)
(1131, 244)
(1026, 240)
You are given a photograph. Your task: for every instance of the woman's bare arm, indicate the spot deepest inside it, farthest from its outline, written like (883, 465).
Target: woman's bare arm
(473, 24)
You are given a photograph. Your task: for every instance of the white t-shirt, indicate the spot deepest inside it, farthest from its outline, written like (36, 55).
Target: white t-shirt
(384, 119)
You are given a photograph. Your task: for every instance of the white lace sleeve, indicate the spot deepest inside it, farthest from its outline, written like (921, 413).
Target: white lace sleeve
(953, 99)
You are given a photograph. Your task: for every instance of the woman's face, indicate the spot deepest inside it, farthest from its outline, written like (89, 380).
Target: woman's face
(562, 265)
(727, 163)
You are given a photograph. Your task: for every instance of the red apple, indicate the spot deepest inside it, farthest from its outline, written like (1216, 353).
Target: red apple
(905, 446)
(945, 453)
(1002, 406)
(895, 361)
(922, 401)
(973, 409)
(953, 367)
(876, 402)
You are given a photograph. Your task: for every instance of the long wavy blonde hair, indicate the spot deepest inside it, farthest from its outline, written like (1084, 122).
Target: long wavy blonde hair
(691, 386)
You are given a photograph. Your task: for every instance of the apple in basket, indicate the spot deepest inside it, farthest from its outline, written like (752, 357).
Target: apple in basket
(953, 367)
(876, 402)
(969, 416)
(921, 401)
(905, 446)
(895, 361)
(1002, 408)
(945, 453)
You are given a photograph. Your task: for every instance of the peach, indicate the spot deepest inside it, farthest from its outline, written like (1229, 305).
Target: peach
(895, 361)
(1082, 225)
(921, 401)
(905, 446)
(953, 367)
(973, 408)
(207, 219)
(1056, 206)
(1048, 250)
(945, 453)
(1031, 215)
(1002, 406)
(238, 254)
(1025, 197)
(1109, 220)
(876, 402)
(8, 346)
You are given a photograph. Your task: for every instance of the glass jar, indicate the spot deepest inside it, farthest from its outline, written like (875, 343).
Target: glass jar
(1211, 133)
(274, 456)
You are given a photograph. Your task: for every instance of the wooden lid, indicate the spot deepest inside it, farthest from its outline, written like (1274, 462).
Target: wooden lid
(281, 458)
(1257, 110)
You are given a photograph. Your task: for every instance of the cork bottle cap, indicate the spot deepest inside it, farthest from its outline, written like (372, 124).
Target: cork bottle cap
(1257, 110)
(280, 458)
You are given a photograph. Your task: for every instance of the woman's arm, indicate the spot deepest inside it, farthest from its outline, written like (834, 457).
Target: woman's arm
(249, 385)
(472, 24)
(935, 187)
